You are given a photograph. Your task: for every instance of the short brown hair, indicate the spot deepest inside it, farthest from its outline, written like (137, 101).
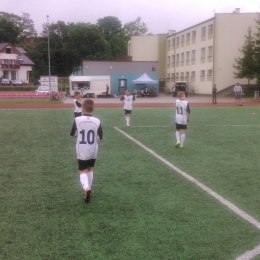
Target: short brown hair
(88, 105)
(76, 93)
(181, 94)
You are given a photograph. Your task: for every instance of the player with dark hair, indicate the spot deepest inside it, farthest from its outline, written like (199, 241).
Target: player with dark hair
(128, 100)
(182, 117)
(77, 104)
(88, 131)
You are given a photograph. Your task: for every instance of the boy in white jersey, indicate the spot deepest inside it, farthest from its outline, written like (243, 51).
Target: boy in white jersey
(88, 131)
(182, 117)
(77, 104)
(128, 101)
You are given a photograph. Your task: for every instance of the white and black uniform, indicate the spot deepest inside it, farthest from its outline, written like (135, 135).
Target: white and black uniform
(182, 111)
(78, 108)
(128, 101)
(88, 130)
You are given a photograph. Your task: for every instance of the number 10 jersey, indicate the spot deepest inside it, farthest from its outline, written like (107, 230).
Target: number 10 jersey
(88, 130)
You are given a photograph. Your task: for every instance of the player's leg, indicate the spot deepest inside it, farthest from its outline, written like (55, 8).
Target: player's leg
(183, 135)
(84, 178)
(128, 117)
(177, 135)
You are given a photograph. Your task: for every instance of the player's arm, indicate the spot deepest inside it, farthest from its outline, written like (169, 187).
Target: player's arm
(74, 131)
(100, 132)
(188, 112)
(122, 99)
(78, 104)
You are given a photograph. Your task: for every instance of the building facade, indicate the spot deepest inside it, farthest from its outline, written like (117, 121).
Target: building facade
(121, 73)
(15, 64)
(204, 54)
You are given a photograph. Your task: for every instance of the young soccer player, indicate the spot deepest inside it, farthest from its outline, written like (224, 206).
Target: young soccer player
(128, 101)
(88, 131)
(182, 117)
(77, 104)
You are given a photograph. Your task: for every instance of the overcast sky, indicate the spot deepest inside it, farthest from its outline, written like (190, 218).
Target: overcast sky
(159, 15)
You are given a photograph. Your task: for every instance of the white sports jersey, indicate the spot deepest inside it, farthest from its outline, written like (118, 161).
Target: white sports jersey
(77, 106)
(128, 101)
(237, 89)
(182, 111)
(88, 130)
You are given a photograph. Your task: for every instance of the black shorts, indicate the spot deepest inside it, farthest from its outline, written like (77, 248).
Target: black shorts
(179, 126)
(76, 114)
(86, 164)
(128, 111)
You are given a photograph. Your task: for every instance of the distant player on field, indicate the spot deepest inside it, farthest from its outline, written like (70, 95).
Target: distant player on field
(238, 93)
(77, 104)
(88, 131)
(128, 101)
(182, 117)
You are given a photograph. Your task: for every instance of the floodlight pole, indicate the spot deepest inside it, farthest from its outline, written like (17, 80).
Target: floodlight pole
(49, 57)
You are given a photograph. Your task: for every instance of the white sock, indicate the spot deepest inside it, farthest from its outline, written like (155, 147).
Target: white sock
(84, 180)
(178, 136)
(90, 178)
(128, 120)
(182, 139)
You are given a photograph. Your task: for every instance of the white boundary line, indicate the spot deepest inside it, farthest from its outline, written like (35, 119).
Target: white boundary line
(248, 255)
(147, 126)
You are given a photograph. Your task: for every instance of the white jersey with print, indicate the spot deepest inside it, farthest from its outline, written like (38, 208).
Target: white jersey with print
(77, 106)
(182, 111)
(88, 130)
(128, 101)
(237, 89)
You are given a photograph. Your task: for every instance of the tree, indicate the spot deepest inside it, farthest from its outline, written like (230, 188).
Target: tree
(24, 23)
(8, 31)
(135, 28)
(257, 50)
(109, 26)
(246, 66)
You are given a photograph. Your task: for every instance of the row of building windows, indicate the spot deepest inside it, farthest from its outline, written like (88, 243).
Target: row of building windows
(187, 75)
(192, 35)
(5, 61)
(12, 73)
(190, 55)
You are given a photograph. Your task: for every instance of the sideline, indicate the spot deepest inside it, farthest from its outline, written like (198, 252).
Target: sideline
(246, 256)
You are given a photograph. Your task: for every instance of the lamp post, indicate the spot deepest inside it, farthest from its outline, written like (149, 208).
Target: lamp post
(49, 57)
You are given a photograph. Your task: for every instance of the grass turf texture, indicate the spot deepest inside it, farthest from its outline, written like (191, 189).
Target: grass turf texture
(38, 101)
(140, 208)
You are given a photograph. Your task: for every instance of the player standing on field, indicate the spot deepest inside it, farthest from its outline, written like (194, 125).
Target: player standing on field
(182, 117)
(88, 131)
(128, 101)
(77, 104)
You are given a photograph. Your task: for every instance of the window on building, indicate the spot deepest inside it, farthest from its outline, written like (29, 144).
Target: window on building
(168, 60)
(168, 76)
(173, 42)
(187, 75)
(177, 75)
(193, 74)
(193, 55)
(187, 37)
(182, 75)
(202, 73)
(203, 31)
(187, 55)
(173, 59)
(8, 50)
(169, 43)
(210, 29)
(193, 34)
(182, 38)
(177, 58)
(177, 40)
(210, 51)
(172, 75)
(6, 74)
(203, 52)
(209, 72)
(5, 61)
(13, 75)
(182, 56)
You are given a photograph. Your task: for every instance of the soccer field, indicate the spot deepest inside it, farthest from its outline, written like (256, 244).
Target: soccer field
(150, 200)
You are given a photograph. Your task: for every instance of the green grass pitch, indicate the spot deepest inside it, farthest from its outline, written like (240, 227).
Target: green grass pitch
(140, 208)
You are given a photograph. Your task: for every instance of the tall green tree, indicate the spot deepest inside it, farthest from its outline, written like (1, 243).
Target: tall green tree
(8, 31)
(135, 28)
(257, 50)
(24, 23)
(245, 66)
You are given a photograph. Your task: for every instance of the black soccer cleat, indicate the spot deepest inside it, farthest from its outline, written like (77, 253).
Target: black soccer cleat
(88, 194)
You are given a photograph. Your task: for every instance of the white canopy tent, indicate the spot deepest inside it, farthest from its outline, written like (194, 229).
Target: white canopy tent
(145, 79)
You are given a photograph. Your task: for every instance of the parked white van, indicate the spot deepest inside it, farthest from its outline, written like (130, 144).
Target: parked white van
(43, 90)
